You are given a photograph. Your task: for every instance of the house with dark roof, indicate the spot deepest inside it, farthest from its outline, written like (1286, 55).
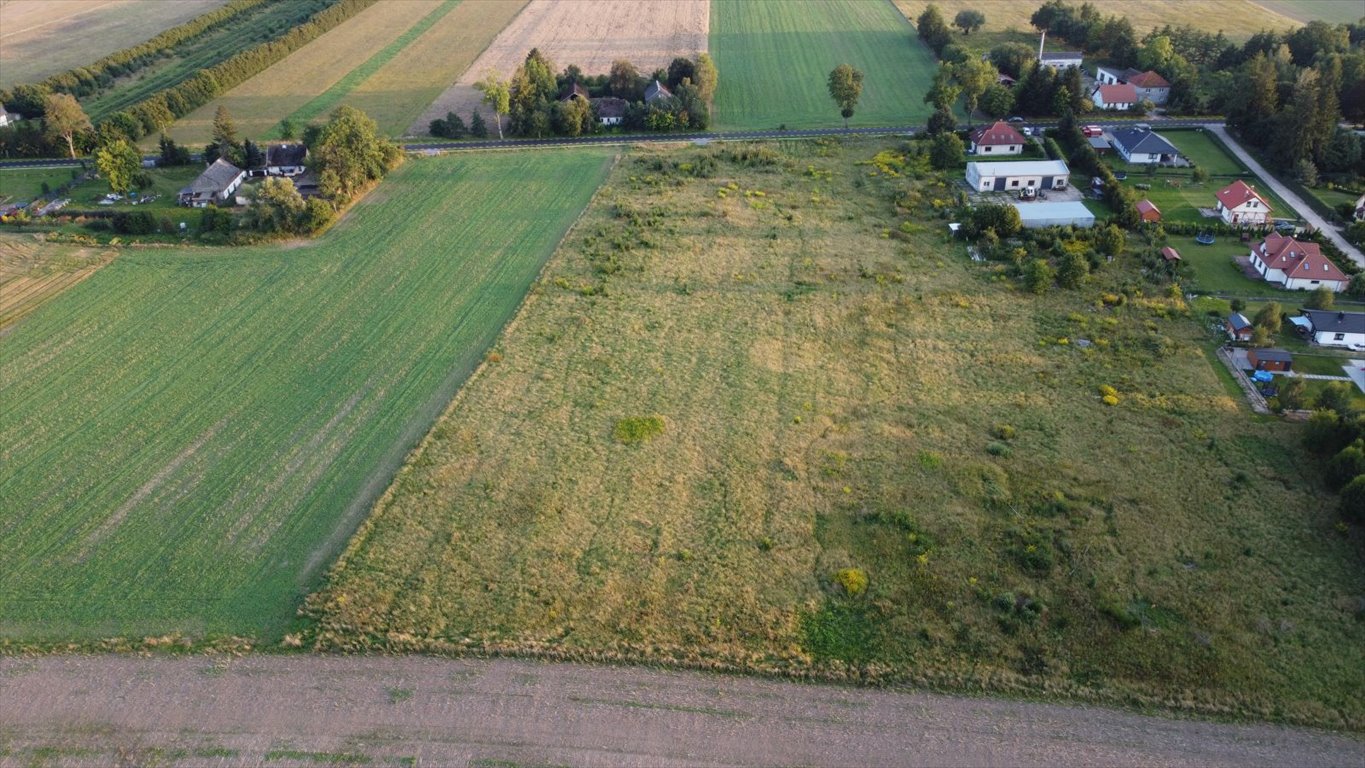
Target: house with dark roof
(1238, 327)
(610, 110)
(1121, 96)
(1012, 177)
(576, 91)
(1270, 360)
(1296, 266)
(307, 184)
(1061, 59)
(656, 91)
(998, 138)
(1239, 204)
(1100, 144)
(1332, 328)
(215, 185)
(285, 159)
(1148, 211)
(1142, 145)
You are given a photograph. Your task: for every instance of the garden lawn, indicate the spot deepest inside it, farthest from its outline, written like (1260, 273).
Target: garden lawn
(20, 185)
(1213, 269)
(775, 58)
(748, 380)
(187, 437)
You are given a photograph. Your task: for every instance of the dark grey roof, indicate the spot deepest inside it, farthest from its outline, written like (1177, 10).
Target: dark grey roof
(1238, 321)
(285, 154)
(214, 179)
(1274, 355)
(610, 106)
(1054, 55)
(656, 90)
(1143, 142)
(1334, 321)
(1099, 142)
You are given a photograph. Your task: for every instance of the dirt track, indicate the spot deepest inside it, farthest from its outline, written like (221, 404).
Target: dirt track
(304, 710)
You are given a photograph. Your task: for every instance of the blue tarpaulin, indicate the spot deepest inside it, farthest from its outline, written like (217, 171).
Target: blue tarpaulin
(1262, 376)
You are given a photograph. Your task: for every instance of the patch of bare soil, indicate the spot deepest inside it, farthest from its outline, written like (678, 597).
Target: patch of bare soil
(589, 33)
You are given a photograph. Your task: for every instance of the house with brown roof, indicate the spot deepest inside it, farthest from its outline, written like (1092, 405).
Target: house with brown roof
(576, 91)
(610, 110)
(1151, 87)
(1121, 96)
(998, 138)
(1296, 266)
(215, 185)
(1240, 205)
(1270, 360)
(1170, 255)
(1148, 211)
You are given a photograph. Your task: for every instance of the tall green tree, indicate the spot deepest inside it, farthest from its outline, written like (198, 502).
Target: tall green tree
(969, 20)
(1268, 317)
(945, 90)
(64, 119)
(225, 136)
(932, 29)
(624, 80)
(276, 207)
(846, 87)
(707, 77)
(946, 151)
(497, 96)
(974, 76)
(350, 153)
(118, 162)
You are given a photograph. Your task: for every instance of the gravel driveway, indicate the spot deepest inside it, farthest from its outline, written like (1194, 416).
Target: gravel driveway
(309, 710)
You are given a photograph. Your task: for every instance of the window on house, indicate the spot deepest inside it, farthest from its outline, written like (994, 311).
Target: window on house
(988, 149)
(1339, 337)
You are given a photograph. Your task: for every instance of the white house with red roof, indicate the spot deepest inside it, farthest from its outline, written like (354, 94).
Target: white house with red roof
(1296, 266)
(1121, 96)
(998, 138)
(1240, 204)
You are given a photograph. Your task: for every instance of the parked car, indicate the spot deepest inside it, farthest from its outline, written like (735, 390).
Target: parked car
(1016, 119)
(1090, 131)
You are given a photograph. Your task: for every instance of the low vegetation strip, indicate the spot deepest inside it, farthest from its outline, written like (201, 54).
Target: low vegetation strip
(1238, 19)
(325, 102)
(775, 59)
(259, 104)
(761, 413)
(181, 433)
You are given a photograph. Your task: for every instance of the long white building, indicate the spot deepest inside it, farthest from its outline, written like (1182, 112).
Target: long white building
(1008, 177)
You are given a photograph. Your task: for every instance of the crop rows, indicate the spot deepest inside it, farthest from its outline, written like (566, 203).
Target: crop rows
(188, 436)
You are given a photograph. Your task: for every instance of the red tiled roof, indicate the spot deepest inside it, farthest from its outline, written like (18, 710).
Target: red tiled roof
(1144, 206)
(1149, 79)
(1170, 254)
(996, 134)
(1117, 94)
(1237, 193)
(1303, 261)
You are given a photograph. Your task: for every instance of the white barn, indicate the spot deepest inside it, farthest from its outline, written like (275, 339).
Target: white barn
(1006, 177)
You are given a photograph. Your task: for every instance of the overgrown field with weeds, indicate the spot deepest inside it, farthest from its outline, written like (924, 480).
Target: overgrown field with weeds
(760, 414)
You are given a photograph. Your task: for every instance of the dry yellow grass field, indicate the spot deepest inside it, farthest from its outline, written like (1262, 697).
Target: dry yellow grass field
(1239, 19)
(43, 37)
(589, 33)
(260, 103)
(31, 273)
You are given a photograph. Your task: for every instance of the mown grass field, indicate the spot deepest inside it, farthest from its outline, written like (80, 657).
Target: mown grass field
(733, 383)
(189, 436)
(1332, 11)
(243, 31)
(32, 273)
(258, 105)
(40, 38)
(775, 59)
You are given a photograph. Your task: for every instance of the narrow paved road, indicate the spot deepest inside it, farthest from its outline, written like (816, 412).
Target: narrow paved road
(1302, 208)
(297, 710)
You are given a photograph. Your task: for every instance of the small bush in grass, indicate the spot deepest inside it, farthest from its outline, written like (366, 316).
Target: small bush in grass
(930, 459)
(853, 580)
(996, 448)
(638, 429)
(1110, 400)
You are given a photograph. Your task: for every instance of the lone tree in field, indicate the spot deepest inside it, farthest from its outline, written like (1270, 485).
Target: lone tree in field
(497, 95)
(845, 87)
(350, 153)
(969, 20)
(64, 119)
(118, 162)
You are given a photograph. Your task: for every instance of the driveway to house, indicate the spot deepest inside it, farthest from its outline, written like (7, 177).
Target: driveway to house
(314, 710)
(1300, 207)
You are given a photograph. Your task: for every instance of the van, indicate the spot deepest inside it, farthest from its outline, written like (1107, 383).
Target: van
(1091, 131)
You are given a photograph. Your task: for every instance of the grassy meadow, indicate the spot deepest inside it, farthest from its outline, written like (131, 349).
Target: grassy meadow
(775, 59)
(32, 273)
(188, 436)
(1332, 11)
(759, 413)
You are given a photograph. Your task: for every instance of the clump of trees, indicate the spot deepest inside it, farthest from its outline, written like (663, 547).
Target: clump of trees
(1336, 433)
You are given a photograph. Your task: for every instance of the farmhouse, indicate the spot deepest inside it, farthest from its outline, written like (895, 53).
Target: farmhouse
(1151, 87)
(576, 91)
(1141, 145)
(1331, 328)
(1240, 204)
(1112, 76)
(306, 183)
(1294, 265)
(1148, 211)
(1121, 96)
(215, 185)
(7, 118)
(1037, 215)
(285, 159)
(999, 138)
(610, 110)
(1061, 59)
(656, 91)
(1270, 360)
(1239, 328)
(1030, 174)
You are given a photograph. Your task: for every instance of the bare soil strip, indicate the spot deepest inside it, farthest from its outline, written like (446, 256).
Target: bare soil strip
(427, 711)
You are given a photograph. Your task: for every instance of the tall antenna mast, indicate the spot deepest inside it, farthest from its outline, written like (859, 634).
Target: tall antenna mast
(1040, 46)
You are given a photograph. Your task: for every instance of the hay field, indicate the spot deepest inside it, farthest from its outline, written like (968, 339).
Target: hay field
(189, 435)
(589, 33)
(775, 59)
(260, 103)
(1332, 11)
(32, 273)
(39, 38)
(747, 370)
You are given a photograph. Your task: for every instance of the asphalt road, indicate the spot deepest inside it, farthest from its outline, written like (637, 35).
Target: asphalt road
(299, 710)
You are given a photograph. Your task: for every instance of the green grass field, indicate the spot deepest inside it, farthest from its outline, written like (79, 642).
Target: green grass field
(1332, 11)
(24, 184)
(188, 436)
(748, 370)
(775, 60)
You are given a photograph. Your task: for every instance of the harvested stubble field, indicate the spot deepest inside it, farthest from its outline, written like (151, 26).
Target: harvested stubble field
(588, 33)
(747, 370)
(775, 59)
(191, 434)
(39, 38)
(32, 273)
(258, 105)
